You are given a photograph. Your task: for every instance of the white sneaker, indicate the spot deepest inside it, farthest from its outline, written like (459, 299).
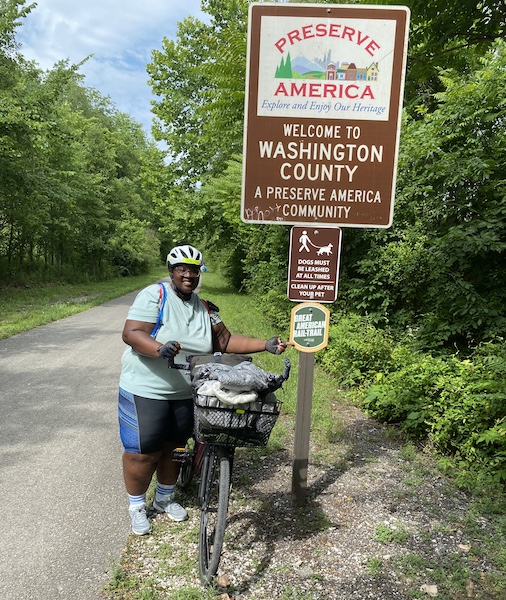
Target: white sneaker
(167, 505)
(139, 518)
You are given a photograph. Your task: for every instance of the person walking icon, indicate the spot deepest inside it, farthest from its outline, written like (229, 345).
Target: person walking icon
(304, 239)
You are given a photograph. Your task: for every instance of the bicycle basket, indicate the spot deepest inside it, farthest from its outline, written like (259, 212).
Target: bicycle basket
(249, 425)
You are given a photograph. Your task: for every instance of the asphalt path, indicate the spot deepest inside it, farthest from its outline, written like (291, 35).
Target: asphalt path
(64, 518)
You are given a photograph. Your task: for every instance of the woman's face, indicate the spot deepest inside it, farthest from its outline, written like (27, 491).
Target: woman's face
(186, 277)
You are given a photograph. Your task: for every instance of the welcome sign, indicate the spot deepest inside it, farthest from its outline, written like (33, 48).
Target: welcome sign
(324, 90)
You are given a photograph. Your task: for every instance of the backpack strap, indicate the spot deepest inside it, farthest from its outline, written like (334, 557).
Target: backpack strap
(161, 303)
(206, 304)
(210, 306)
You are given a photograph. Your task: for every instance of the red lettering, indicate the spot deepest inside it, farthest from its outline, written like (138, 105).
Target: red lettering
(367, 93)
(348, 32)
(324, 90)
(321, 30)
(329, 89)
(372, 47)
(300, 91)
(281, 89)
(314, 90)
(294, 36)
(280, 44)
(306, 32)
(361, 39)
(334, 30)
(348, 93)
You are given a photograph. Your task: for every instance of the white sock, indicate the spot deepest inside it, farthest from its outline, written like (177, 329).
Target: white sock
(136, 501)
(163, 490)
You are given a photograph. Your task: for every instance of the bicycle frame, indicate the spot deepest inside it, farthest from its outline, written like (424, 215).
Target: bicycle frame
(218, 431)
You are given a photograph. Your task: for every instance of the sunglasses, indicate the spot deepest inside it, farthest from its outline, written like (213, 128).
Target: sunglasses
(192, 271)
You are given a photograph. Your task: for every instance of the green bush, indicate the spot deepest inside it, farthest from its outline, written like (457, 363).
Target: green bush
(405, 395)
(133, 250)
(472, 412)
(357, 351)
(459, 405)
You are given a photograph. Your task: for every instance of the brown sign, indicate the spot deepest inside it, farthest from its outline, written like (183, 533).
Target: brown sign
(314, 264)
(323, 109)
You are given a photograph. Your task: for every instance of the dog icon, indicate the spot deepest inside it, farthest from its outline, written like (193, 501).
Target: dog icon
(325, 250)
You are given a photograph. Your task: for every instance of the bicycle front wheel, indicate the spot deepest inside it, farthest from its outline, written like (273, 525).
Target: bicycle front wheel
(214, 493)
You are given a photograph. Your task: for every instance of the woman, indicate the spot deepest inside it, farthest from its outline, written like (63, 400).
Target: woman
(155, 402)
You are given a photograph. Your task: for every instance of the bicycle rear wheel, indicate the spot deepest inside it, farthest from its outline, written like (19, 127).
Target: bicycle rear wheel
(185, 474)
(214, 493)
(185, 456)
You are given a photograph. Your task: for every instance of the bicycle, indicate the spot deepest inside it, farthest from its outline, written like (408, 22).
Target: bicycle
(219, 430)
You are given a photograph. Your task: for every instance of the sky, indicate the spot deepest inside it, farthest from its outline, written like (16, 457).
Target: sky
(119, 33)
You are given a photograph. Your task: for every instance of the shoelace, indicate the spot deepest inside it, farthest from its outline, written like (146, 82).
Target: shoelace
(138, 512)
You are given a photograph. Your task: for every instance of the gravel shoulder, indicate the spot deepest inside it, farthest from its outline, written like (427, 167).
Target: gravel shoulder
(380, 522)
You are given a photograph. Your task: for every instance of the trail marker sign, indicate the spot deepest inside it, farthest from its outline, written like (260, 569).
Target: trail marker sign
(324, 90)
(309, 327)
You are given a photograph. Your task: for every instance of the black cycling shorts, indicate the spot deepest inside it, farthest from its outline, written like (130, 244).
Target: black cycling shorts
(145, 425)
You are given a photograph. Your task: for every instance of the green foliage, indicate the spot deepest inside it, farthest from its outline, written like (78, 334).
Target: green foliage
(402, 395)
(72, 172)
(458, 404)
(134, 249)
(385, 534)
(199, 82)
(440, 270)
(357, 350)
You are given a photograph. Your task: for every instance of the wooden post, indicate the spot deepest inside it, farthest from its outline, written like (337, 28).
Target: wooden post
(302, 428)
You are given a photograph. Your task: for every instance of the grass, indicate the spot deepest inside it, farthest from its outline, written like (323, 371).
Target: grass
(455, 574)
(24, 308)
(387, 533)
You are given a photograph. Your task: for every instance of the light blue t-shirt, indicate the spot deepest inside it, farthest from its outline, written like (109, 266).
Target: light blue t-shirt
(188, 323)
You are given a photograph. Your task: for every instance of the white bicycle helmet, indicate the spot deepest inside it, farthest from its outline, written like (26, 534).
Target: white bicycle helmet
(184, 255)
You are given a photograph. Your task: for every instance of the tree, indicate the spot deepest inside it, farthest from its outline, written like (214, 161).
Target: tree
(441, 269)
(199, 81)
(446, 34)
(74, 172)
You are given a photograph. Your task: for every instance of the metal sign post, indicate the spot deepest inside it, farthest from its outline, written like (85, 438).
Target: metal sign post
(308, 333)
(302, 428)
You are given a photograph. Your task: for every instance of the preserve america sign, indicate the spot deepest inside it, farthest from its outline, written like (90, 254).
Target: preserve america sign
(322, 115)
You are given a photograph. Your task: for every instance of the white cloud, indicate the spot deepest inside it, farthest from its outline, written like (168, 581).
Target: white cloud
(119, 33)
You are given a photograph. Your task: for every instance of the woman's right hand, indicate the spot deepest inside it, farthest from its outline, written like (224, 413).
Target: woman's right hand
(169, 350)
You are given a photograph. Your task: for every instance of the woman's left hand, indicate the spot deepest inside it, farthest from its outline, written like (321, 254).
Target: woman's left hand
(276, 346)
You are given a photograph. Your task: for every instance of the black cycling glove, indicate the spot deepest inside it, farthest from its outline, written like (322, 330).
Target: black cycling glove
(169, 350)
(272, 345)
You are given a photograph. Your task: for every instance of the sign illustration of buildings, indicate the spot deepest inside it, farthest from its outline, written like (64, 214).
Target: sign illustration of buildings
(326, 68)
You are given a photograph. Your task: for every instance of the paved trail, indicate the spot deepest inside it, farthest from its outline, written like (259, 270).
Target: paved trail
(64, 512)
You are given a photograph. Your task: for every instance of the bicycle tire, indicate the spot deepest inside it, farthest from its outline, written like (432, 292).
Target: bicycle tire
(185, 474)
(214, 495)
(186, 469)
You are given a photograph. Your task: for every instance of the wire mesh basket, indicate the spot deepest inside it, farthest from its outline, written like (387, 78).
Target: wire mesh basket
(247, 425)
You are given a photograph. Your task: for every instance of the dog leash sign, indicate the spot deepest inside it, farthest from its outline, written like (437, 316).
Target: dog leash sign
(313, 269)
